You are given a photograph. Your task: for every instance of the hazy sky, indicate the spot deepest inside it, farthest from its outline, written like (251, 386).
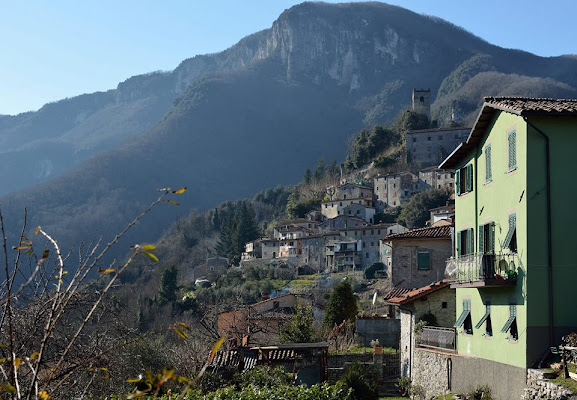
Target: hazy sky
(54, 49)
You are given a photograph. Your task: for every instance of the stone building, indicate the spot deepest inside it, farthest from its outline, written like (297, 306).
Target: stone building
(421, 101)
(270, 248)
(435, 178)
(367, 238)
(350, 191)
(417, 257)
(395, 189)
(314, 249)
(341, 222)
(429, 147)
(334, 208)
(436, 299)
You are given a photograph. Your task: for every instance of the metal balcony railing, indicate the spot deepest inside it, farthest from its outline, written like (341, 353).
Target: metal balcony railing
(483, 270)
(438, 338)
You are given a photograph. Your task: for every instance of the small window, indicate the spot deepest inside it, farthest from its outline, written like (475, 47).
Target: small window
(428, 138)
(465, 242)
(511, 324)
(512, 147)
(372, 244)
(366, 255)
(364, 245)
(444, 304)
(275, 304)
(464, 319)
(464, 179)
(487, 238)
(414, 140)
(488, 172)
(423, 260)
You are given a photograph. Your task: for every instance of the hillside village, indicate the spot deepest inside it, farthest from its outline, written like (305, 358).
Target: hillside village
(453, 298)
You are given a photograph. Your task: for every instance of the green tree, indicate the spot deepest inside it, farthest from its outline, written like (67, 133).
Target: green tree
(301, 328)
(416, 212)
(342, 305)
(320, 170)
(169, 285)
(308, 177)
(236, 231)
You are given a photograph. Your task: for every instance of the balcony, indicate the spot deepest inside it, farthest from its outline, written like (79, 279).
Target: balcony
(434, 337)
(482, 270)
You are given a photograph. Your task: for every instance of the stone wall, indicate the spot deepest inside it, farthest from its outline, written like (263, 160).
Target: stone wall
(430, 370)
(387, 331)
(430, 147)
(539, 388)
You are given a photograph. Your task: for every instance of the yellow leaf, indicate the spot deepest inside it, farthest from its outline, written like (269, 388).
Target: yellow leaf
(180, 191)
(43, 394)
(45, 254)
(215, 348)
(17, 362)
(180, 333)
(176, 203)
(148, 247)
(20, 247)
(185, 326)
(106, 271)
(37, 230)
(34, 355)
(146, 253)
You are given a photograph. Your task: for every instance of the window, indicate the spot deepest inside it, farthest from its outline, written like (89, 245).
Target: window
(423, 260)
(465, 242)
(487, 238)
(512, 146)
(414, 140)
(444, 304)
(511, 238)
(488, 172)
(511, 324)
(486, 319)
(275, 304)
(464, 179)
(465, 318)
(428, 138)
(367, 255)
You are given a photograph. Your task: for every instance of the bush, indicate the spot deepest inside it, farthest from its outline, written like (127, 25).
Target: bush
(264, 377)
(364, 387)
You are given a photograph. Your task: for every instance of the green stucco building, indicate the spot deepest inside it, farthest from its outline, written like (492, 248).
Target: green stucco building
(515, 262)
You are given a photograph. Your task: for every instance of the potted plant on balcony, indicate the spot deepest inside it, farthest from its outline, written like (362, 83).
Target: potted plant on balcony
(377, 346)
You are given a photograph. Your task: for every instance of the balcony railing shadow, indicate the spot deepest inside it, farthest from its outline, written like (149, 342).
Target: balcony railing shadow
(485, 270)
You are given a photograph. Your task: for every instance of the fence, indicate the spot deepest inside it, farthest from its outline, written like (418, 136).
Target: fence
(438, 338)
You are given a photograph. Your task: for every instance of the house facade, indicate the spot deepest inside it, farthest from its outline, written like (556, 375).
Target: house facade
(514, 262)
(417, 257)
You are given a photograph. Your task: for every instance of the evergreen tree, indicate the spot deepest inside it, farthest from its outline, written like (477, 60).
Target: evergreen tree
(308, 176)
(169, 284)
(301, 328)
(320, 170)
(342, 305)
(236, 231)
(416, 212)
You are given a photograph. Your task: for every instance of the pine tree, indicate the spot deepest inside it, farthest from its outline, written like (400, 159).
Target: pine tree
(169, 284)
(342, 305)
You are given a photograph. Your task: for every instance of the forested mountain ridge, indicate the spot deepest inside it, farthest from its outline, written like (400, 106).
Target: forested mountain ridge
(256, 115)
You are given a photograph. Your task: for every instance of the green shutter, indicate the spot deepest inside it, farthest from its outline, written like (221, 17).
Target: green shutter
(512, 316)
(459, 250)
(458, 182)
(488, 173)
(470, 241)
(512, 226)
(464, 314)
(485, 316)
(491, 245)
(481, 239)
(423, 261)
(469, 178)
(512, 139)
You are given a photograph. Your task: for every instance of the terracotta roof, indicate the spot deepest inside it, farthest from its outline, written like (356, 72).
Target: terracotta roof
(522, 106)
(433, 232)
(414, 294)
(367, 227)
(396, 292)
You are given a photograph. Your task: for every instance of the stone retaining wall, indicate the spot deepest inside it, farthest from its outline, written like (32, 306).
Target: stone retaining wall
(540, 388)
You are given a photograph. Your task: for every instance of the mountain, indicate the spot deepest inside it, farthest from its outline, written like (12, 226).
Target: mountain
(253, 116)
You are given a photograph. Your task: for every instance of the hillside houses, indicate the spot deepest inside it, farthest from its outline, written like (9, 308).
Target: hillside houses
(343, 235)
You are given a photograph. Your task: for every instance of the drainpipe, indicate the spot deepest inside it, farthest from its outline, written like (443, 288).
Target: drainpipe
(411, 346)
(549, 234)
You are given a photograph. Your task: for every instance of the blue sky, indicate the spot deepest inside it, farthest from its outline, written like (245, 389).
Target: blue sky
(56, 49)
